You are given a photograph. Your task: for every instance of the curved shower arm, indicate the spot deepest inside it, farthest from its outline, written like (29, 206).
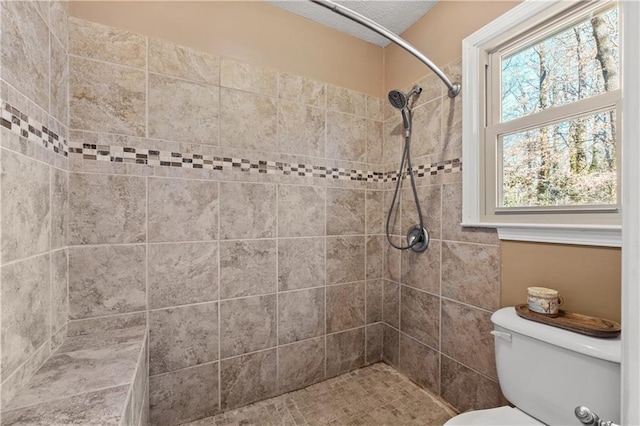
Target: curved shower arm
(454, 88)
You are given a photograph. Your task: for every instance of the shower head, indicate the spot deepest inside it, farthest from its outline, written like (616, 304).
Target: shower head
(399, 100)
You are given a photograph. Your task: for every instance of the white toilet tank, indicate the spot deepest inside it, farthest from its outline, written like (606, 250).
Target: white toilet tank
(547, 372)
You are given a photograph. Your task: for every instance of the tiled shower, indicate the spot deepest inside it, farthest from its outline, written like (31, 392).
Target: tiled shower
(237, 211)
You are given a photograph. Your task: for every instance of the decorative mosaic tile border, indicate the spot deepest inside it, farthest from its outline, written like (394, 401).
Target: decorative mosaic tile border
(119, 154)
(19, 123)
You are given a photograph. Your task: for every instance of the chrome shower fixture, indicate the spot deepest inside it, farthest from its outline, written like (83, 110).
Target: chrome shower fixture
(417, 236)
(399, 100)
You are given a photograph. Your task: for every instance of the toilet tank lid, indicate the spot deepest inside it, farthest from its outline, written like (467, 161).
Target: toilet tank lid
(606, 349)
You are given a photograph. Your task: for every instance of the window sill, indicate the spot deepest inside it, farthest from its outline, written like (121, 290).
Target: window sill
(587, 235)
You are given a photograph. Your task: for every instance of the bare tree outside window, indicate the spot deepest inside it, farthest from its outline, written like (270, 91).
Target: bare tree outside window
(571, 162)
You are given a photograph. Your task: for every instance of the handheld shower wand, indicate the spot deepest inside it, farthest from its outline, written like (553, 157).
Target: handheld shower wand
(417, 236)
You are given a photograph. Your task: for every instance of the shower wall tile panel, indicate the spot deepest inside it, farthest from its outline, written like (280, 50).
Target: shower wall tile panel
(302, 90)
(106, 209)
(301, 364)
(183, 62)
(182, 273)
(33, 189)
(301, 263)
(276, 222)
(247, 210)
(182, 337)
(96, 91)
(247, 325)
(106, 280)
(182, 210)
(440, 338)
(182, 110)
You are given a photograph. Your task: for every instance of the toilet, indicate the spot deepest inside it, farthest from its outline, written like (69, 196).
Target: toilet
(546, 372)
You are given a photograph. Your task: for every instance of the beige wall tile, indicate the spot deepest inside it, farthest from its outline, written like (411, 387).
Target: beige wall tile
(391, 349)
(420, 316)
(238, 107)
(247, 268)
(375, 254)
(393, 143)
(25, 53)
(182, 110)
(247, 325)
(182, 273)
(182, 210)
(374, 342)
(426, 128)
(59, 84)
(248, 77)
(301, 263)
(376, 213)
(25, 211)
(301, 315)
(345, 259)
(391, 303)
(248, 378)
(345, 211)
(345, 306)
(420, 363)
(465, 389)
(24, 319)
(96, 92)
(346, 101)
(182, 337)
(451, 229)
(395, 224)
(106, 209)
(346, 137)
(466, 337)
(471, 274)
(303, 90)
(300, 364)
(301, 211)
(59, 290)
(106, 280)
(184, 62)
(109, 44)
(422, 270)
(301, 129)
(374, 300)
(345, 351)
(247, 210)
(374, 141)
(59, 21)
(184, 395)
(430, 204)
(452, 124)
(59, 208)
(375, 108)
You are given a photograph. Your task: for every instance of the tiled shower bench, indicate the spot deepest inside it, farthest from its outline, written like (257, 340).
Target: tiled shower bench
(99, 378)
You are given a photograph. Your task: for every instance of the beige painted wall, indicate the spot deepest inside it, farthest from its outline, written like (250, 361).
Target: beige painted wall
(439, 35)
(587, 277)
(249, 31)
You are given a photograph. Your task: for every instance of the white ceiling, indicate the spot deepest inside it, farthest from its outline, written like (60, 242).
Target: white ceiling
(395, 15)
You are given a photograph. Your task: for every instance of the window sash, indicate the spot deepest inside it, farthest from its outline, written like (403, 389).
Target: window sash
(494, 127)
(493, 154)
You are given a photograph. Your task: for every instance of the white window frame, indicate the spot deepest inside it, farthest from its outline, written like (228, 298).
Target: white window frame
(474, 57)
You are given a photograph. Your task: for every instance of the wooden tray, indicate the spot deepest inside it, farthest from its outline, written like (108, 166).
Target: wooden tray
(583, 324)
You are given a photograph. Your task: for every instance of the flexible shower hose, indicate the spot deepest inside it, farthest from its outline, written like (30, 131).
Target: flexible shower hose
(406, 157)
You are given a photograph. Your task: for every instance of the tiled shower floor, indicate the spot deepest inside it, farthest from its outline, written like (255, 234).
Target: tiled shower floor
(374, 395)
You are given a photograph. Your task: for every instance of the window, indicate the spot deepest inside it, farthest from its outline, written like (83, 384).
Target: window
(542, 123)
